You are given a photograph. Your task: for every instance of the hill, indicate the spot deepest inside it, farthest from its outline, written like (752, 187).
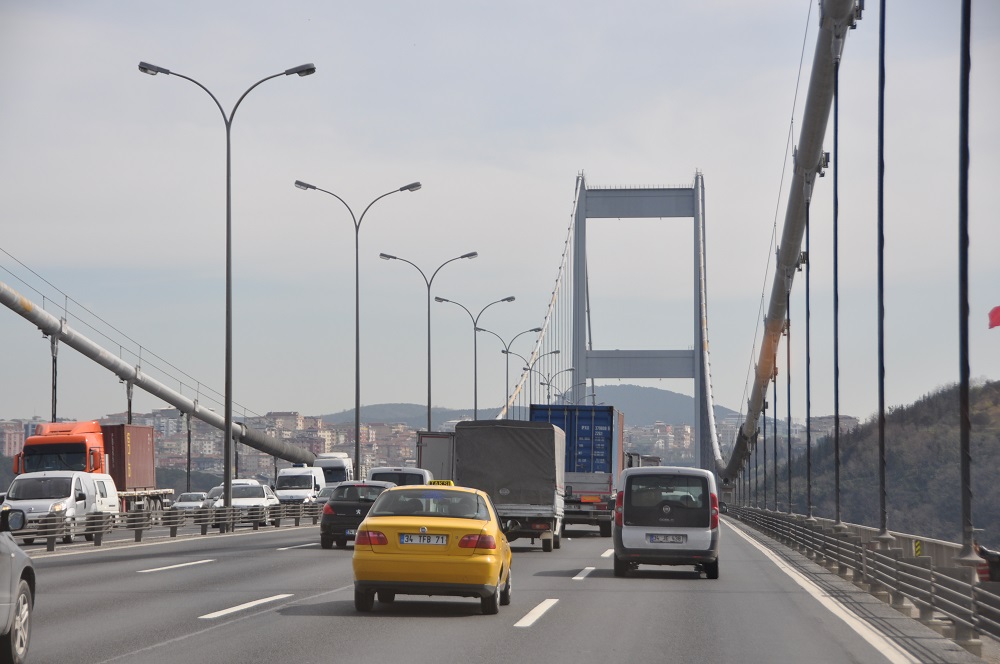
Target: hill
(642, 406)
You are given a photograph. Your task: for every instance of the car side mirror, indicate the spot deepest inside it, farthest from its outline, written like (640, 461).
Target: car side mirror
(11, 520)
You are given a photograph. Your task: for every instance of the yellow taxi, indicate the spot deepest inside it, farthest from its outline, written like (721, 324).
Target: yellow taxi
(432, 540)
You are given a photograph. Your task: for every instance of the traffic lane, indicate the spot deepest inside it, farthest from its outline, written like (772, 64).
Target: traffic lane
(95, 604)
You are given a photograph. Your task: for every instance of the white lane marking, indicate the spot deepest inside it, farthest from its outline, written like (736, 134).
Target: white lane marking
(160, 569)
(583, 574)
(608, 553)
(297, 546)
(248, 605)
(531, 616)
(890, 650)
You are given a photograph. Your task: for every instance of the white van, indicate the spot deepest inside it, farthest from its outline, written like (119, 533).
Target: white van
(400, 475)
(337, 467)
(666, 515)
(299, 484)
(69, 493)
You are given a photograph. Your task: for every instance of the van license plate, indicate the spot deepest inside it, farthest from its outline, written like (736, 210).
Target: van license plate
(667, 539)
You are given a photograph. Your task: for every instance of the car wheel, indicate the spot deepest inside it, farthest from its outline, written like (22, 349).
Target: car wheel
(605, 527)
(621, 567)
(14, 644)
(341, 542)
(89, 537)
(386, 596)
(711, 569)
(28, 540)
(491, 604)
(364, 601)
(67, 539)
(507, 589)
(326, 541)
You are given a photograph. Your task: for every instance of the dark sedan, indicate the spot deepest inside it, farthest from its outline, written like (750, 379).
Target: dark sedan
(346, 509)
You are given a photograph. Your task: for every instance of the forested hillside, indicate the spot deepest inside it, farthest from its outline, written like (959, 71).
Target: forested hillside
(922, 469)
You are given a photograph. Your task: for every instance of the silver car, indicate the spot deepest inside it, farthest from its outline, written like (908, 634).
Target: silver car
(17, 590)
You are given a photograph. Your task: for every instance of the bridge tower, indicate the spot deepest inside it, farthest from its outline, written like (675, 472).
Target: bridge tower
(645, 203)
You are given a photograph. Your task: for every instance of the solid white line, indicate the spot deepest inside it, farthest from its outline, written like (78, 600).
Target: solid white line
(608, 553)
(890, 650)
(248, 605)
(297, 546)
(160, 569)
(583, 574)
(531, 616)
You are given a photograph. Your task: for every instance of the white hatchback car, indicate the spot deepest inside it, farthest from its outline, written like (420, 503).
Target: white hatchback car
(666, 515)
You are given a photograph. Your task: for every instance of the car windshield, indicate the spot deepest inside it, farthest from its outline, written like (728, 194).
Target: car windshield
(248, 491)
(294, 482)
(326, 492)
(365, 493)
(39, 488)
(190, 497)
(431, 502)
(215, 492)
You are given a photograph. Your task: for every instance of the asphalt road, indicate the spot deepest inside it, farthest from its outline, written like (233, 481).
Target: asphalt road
(275, 596)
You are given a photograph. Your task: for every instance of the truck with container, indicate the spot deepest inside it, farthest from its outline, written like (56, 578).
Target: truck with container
(593, 459)
(123, 451)
(520, 465)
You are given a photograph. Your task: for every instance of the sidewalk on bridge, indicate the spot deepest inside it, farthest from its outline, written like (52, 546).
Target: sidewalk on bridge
(920, 641)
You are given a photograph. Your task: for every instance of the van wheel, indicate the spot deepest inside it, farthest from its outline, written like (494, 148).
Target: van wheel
(364, 601)
(621, 567)
(711, 569)
(67, 539)
(556, 542)
(28, 540)
(14, 644)
(89, 537)
(605, 527)
(546, 545)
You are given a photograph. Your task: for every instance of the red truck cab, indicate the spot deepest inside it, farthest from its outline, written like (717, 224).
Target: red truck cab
(63, 446)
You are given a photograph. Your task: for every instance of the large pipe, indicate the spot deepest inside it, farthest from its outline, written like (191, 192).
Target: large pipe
(837, 17)
(57, 329)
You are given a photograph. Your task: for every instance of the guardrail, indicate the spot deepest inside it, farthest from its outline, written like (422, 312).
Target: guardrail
(54, 528)
(908, 572)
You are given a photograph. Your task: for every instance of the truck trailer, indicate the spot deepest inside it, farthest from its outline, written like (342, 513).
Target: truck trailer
(124, 451)
(593, 459)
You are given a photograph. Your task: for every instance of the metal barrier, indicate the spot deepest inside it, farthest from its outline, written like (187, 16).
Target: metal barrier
(949, 597)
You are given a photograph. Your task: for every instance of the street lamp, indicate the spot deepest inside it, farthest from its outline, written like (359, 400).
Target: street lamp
(548, 383)
(530, 366)
(475, 353)
(390, 257)
(506, 347)
(413, 186)
(301, 70)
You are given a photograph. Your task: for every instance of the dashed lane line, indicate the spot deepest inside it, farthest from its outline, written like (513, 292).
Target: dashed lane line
(532, 616)
(161, 569)
(242, 607)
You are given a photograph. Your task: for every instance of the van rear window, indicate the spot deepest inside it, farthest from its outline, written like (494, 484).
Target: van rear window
(666, 500)
(399, 479)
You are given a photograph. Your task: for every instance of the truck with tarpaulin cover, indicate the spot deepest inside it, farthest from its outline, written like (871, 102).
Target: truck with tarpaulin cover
(593, 459)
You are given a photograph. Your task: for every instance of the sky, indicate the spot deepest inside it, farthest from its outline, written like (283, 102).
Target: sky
(112, 192)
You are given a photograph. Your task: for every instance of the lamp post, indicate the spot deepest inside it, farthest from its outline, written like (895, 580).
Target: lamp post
(390, 257)
(506, 347)
(530, 366)
(413, 186)
(548, 383)
(301, 70)
(475, 353)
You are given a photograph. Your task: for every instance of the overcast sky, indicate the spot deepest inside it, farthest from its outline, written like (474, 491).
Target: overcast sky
(112, 191)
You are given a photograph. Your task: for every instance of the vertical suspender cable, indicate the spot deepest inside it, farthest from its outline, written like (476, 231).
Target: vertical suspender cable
(836, 292)
(764, 417)
(809, 502)
(883, 535)
(963, 282)
(788, 382)
(774, 443)
(756, 473)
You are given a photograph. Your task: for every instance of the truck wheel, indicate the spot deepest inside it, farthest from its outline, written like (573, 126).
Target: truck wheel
(14, 644)
(556, 542)
(364, 601)
(326, 541)
(605, 527)
(621, 567)
(546, 545)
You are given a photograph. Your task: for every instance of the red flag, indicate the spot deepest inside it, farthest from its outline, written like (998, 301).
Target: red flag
(994, 317)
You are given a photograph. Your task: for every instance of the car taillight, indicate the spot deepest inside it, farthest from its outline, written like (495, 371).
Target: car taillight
(477, 542)
(370, 537)
(715, 510)
(328, 510)
(619, 504)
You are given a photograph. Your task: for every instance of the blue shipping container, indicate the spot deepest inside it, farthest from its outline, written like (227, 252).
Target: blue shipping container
(589, 434)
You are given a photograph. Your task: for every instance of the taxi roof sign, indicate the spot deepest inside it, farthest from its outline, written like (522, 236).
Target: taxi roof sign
(442, 482)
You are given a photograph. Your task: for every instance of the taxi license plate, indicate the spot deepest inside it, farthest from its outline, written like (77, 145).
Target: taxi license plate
(667, 539)
(412, 538)
(350, 532)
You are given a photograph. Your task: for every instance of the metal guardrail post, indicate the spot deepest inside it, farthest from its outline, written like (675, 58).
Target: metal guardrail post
(138, 522)
(172, 519)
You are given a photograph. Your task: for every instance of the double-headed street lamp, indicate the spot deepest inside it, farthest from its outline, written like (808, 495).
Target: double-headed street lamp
(301, 70)
(506, 347)
(529, 367)
(413, 186)
(475, 354)
(548, 383)
(390, 257)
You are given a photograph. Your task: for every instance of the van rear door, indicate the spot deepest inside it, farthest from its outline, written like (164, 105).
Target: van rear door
(667, 509)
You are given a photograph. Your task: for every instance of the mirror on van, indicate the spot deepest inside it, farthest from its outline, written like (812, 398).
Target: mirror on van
(510, 525)
(81, 496)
